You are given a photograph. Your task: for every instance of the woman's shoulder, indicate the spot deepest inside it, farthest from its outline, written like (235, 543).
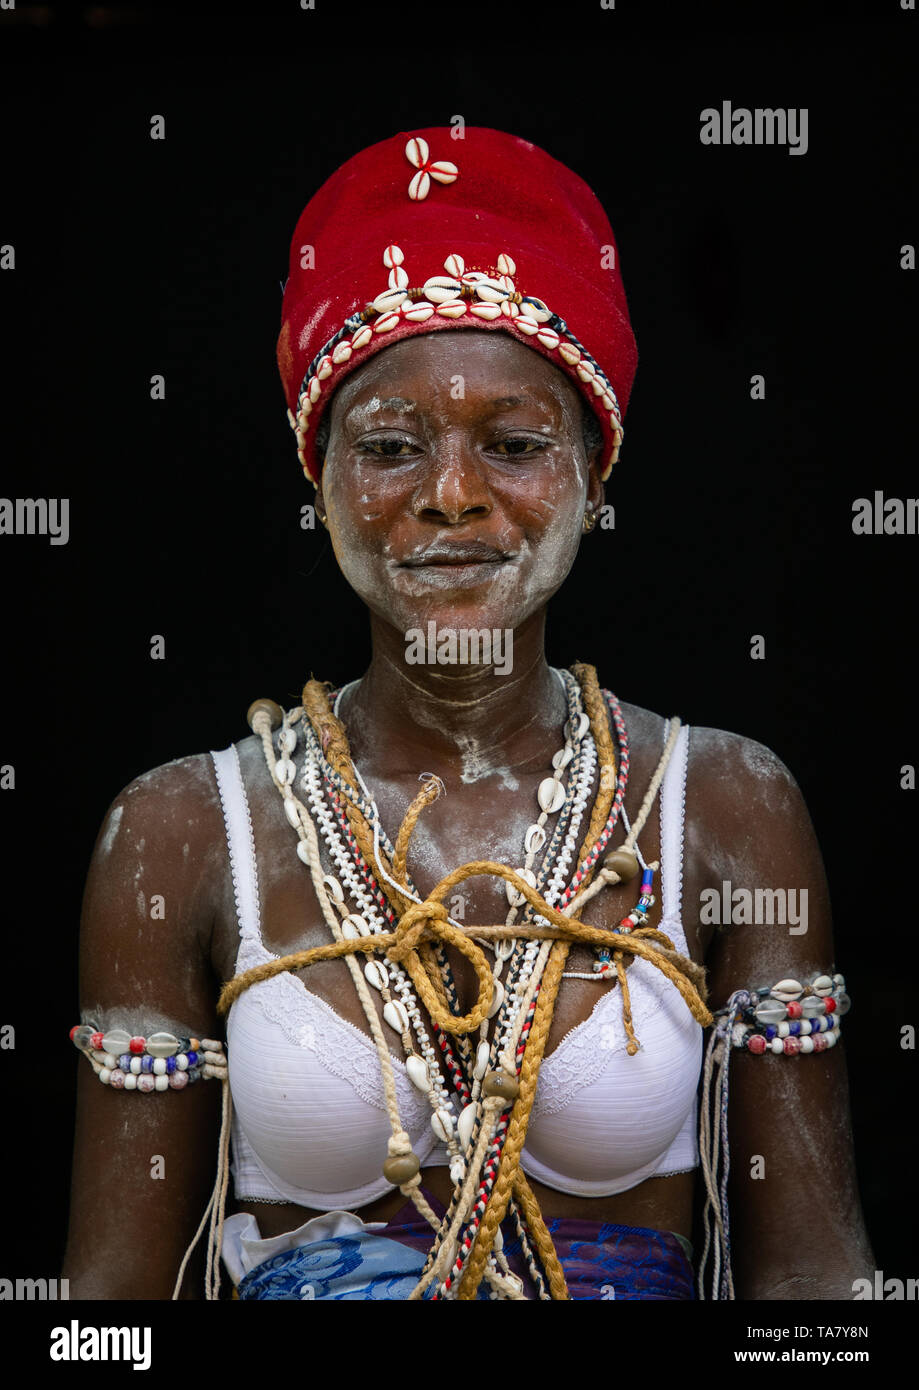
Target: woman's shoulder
(727, 767)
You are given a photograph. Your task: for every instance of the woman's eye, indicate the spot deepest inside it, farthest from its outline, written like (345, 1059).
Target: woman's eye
(387, 448)
(519, 444)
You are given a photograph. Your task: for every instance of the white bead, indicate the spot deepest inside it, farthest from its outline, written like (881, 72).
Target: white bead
(442, 1125)
(787, 990)
(777, 1045)
(498, 999)
(534, 839)
(375, 974)
(285, 771)
(418, 1072)
(441, 288)
(159, 1066)
(181, 1063)
(783, 1030)
(443, 171)
(483, 1051)
(490, 291)
(420, 311)
(465, 1125)
(130, 1081)
(417, 152)
(388, 300)
(419, 187)
(161, 1083)
(136, 1067)
(162, 1045)
(551, 795)
(831, 1038)
(105, 1075)
(334, 887)
(537, 309)
(396, 1016)
(807, 1044)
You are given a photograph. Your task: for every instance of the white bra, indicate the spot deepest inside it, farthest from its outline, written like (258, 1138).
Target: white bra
(310, 1124)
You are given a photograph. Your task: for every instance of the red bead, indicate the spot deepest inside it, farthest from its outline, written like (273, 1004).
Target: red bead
(73, 1030)
(830, 1005)
(137, 1045)
(793, 1008)
(819, 1042)
(756, 1043)
(96, 1041)
(791, 1046)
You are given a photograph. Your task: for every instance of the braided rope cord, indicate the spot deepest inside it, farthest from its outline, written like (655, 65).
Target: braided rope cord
(422, 923)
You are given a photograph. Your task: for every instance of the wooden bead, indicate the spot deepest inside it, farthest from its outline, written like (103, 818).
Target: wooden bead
(623, 862)
(273, 710)
(401, 1169)
(500, 1084)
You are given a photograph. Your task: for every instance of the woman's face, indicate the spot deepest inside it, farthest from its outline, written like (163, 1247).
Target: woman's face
(449, 440)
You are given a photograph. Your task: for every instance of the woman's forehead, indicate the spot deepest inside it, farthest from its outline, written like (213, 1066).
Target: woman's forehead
(493, 367)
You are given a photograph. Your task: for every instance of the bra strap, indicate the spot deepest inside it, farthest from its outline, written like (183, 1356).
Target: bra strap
(673, 804)
(240, 841)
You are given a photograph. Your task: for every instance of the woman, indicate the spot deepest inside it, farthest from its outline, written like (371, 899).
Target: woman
(429, 1117)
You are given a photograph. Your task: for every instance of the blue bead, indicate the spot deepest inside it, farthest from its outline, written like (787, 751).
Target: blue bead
(170, 1065)
(771, 1032)
(794, 1028)
(192, 1058)
(124, 1061)
(647, 878)
(766, 990)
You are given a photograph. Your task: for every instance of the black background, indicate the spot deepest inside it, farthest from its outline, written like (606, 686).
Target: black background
(733, 516)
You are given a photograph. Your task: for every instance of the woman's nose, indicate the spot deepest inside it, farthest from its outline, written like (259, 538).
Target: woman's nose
(455, 484)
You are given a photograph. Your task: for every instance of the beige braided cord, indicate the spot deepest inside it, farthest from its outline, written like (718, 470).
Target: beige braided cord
(545, 1008)
(421, 923)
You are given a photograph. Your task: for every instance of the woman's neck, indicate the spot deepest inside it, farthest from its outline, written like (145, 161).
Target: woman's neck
(469, 720)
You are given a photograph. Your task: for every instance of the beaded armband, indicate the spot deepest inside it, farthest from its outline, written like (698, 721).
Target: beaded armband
(789, 1018)
(158, 1063)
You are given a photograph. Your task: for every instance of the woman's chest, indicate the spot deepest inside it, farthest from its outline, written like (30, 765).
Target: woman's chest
(492, 823)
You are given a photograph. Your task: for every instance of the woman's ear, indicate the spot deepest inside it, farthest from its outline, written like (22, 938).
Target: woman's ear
(319, 504)
(596, 492)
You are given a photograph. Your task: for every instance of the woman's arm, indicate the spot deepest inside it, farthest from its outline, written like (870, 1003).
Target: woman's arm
(144, 1164)
(797, 1230)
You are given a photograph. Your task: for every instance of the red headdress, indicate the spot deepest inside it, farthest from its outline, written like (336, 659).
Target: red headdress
(423, 231)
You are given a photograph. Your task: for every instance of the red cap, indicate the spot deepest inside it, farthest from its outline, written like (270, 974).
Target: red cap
(424, 231)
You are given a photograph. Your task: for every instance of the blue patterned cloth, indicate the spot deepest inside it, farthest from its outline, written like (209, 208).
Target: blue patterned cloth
(600, 1260)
